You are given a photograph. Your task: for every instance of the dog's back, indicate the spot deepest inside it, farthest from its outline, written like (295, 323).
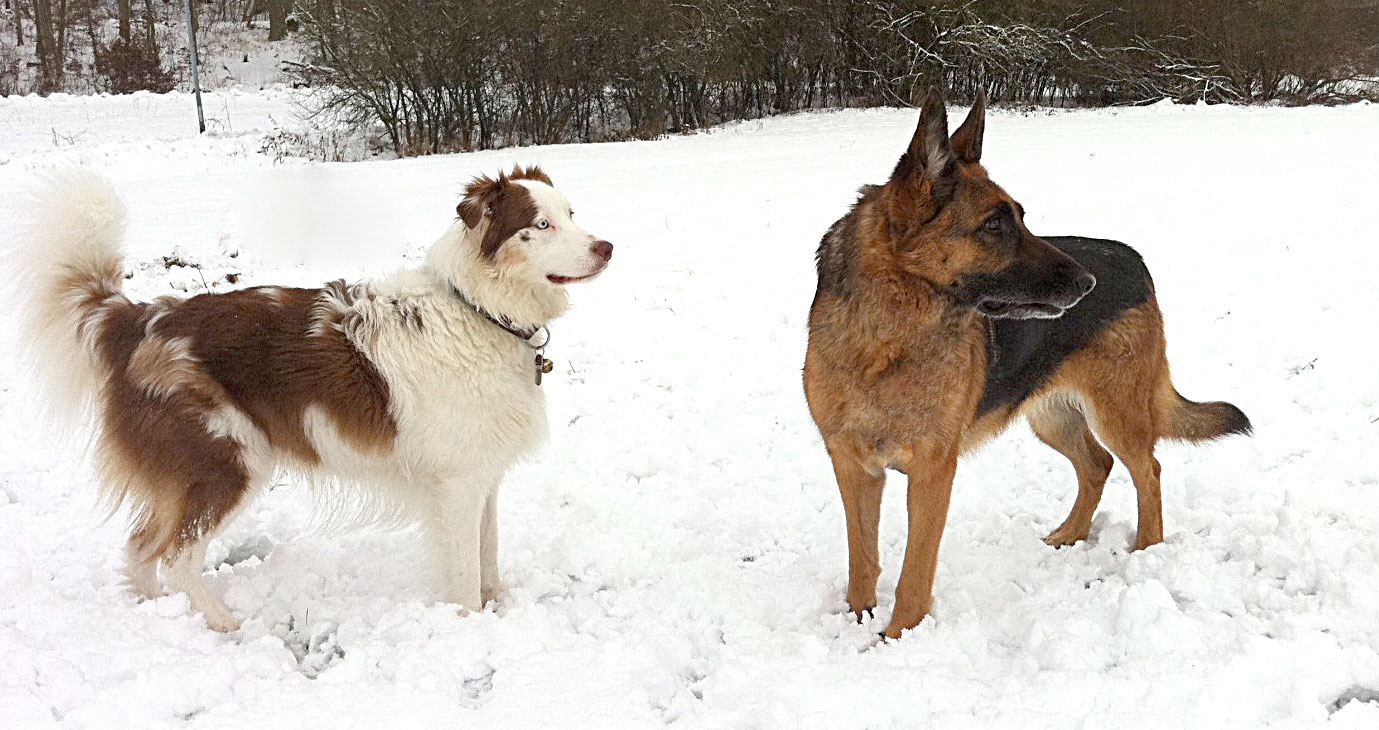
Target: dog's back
(1023, 353)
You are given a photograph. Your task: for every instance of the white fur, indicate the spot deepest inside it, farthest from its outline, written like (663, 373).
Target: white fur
(165, 365)
(72, 222)
(461, 390)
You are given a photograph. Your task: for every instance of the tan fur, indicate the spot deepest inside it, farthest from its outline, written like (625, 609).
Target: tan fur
(895, 369)
(162, 366)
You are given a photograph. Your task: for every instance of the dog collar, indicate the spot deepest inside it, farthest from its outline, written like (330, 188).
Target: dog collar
(524, 335)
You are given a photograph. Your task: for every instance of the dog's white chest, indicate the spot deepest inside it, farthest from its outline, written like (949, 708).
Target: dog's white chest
(463, 390)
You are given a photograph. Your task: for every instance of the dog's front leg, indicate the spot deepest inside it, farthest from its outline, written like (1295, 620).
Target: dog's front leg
(455, 528)
(861, 492)
(930, 470)
(489, 584)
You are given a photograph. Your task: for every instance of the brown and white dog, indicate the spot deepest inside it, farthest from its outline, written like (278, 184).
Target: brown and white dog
(415, 392)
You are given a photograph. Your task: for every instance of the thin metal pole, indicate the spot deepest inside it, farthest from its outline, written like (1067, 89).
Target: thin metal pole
(196, 70)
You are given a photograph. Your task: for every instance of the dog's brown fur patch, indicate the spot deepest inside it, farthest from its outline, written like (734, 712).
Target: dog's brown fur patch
(179, 371)
(507, 208)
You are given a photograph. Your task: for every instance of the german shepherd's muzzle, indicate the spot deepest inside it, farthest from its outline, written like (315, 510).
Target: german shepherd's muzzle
(1042, 283)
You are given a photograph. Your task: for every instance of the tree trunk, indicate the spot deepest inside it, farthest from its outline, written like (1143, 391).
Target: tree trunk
(61, 25)
(45, 43)
(150, 37)
(277, 18)
(125, 12)
(91, 28)
(18, 22)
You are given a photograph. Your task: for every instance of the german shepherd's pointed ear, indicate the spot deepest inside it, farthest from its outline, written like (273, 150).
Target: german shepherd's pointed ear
(930, 156)
(967, 140)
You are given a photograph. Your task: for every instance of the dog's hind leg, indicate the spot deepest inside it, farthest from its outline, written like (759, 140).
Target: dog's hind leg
(176, 513)
(1120, 378)
(861, 490)
(184, 575)
(220, 491)
(1062, 426)
(1126, 426)
(1138, 456)
(1144, 470)
(140, 570)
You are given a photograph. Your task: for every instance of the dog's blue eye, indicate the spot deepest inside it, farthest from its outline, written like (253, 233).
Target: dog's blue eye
(543, 225)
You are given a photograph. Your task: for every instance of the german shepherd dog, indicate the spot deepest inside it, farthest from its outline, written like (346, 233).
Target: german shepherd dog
(939, 318)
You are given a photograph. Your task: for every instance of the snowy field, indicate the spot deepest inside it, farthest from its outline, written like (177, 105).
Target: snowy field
(675, 556)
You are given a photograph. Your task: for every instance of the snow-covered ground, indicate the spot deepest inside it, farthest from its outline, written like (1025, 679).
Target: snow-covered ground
(675, 556)
(142, 125)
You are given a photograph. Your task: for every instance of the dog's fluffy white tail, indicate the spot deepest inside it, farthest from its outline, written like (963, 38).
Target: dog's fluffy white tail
(66, 262)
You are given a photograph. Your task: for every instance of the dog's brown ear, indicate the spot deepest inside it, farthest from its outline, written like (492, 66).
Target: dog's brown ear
(533, 172)
(967, 141)
(930, 156)
(479, 196)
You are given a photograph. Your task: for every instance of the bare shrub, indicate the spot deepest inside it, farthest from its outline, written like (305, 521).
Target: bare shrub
(126, 67)
(448, 75)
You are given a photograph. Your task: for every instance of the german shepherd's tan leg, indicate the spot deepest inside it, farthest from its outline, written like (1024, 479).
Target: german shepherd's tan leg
(861, 493)
(1144, 470)
(931, 472)
(1126, 427)
(1121, 377)
(1063, 427)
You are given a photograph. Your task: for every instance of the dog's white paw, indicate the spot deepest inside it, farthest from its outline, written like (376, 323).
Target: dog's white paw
(491, 593)
(223, 623)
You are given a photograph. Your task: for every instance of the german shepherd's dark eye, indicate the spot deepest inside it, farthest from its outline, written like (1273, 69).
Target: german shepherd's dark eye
(994, 224)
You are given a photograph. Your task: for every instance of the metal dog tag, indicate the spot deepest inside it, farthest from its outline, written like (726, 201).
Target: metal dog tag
(543, 366)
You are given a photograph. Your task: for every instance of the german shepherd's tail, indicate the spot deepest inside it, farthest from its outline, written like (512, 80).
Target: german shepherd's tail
(67, 268)
(1193, 421)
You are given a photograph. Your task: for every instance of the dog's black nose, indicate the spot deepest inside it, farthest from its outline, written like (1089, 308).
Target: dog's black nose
(603, 250)
(1086, 282)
